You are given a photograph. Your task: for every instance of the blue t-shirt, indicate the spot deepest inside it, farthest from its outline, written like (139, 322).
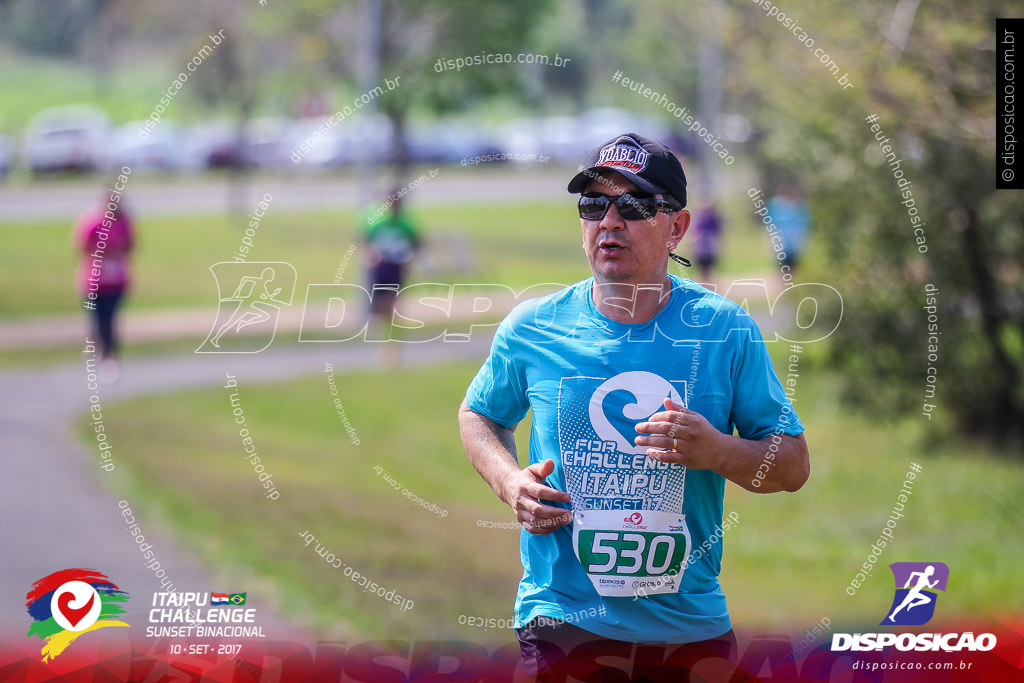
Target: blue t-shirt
(588, 380)
(791, 218)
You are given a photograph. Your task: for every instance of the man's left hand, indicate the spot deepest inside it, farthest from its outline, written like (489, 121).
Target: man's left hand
(682, 437)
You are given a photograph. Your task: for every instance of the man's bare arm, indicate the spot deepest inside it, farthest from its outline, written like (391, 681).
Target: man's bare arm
(492, 451)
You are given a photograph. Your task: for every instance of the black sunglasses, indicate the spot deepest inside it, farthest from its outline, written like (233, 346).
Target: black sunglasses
(632, 206)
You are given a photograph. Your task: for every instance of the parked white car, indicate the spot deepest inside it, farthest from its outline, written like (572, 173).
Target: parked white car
(163, 149)
(69, 138)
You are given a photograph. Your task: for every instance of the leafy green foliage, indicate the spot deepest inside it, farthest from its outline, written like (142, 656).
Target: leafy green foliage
(932, 99)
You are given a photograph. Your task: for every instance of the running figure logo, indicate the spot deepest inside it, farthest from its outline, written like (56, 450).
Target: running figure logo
(916, 583)
(247, 318)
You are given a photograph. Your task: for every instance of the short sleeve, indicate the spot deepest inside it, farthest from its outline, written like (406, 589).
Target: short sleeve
(498, 391)
(760, 406)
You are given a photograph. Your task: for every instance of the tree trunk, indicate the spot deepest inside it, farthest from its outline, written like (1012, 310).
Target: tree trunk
(1003, 418)
(401, 164)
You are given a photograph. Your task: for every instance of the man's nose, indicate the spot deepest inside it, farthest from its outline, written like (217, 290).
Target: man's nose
(612, 220)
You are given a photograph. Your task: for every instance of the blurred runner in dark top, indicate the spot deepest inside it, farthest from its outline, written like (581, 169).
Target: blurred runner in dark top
(391, 241)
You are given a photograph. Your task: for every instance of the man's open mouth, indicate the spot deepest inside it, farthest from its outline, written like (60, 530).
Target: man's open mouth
(611, 247)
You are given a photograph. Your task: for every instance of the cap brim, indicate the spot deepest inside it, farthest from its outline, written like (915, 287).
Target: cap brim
(580, 180)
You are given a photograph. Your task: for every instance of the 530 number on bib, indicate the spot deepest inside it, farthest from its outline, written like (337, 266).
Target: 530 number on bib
(631, 553)
(621, 555)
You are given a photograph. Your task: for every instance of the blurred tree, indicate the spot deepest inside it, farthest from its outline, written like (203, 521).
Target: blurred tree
(413, 38)
(228, 76)
(88, 30)
(416, 37)
(655, 45)
(927, 73)
(48, 27)
(564, 31)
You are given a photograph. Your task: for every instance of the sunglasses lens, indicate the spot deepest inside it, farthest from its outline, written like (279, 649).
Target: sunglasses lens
(632, 207)
(636, 207)
(593, 208)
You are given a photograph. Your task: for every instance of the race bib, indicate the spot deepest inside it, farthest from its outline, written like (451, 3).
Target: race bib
(629, 530)
(629, 553)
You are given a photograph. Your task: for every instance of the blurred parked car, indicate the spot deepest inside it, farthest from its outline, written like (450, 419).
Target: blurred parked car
(557, 137)
(603, 123)
(162, 150)
(312, 142)
(265, 142)
(365, 138)
(214, 144)
(449, 142)
(70, 138)
(358, 139)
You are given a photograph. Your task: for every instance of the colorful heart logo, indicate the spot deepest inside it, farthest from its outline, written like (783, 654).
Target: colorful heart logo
(75, 605)
(70, 603)
(72, 614)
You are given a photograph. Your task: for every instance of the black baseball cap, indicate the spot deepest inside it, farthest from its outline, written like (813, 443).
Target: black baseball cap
(648, 164)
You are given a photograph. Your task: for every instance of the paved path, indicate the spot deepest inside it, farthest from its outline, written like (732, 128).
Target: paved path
(54, 512)
(195, 323)
(63, 201)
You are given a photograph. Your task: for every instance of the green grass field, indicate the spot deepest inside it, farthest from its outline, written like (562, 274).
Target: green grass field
(787, 564)
(44, 82)
(517, 245)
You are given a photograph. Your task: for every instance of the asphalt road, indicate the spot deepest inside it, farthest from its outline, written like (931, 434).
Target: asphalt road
(151, 195)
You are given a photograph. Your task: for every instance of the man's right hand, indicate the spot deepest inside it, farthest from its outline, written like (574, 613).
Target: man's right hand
(525, 490)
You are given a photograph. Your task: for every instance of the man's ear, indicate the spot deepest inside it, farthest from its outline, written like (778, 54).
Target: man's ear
(680, 224)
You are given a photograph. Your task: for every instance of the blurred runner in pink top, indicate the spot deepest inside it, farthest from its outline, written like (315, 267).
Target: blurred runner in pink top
(104, 237)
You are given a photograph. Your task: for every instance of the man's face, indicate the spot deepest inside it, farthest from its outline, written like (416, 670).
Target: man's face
(634, 252)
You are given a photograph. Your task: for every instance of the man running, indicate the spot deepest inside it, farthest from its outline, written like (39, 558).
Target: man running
(637, 380)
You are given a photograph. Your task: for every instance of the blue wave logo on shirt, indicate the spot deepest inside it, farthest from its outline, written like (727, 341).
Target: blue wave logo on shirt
(625, 400)
(614, 408)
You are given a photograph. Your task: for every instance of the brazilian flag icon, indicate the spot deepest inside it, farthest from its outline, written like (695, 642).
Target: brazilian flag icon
(237, 598)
